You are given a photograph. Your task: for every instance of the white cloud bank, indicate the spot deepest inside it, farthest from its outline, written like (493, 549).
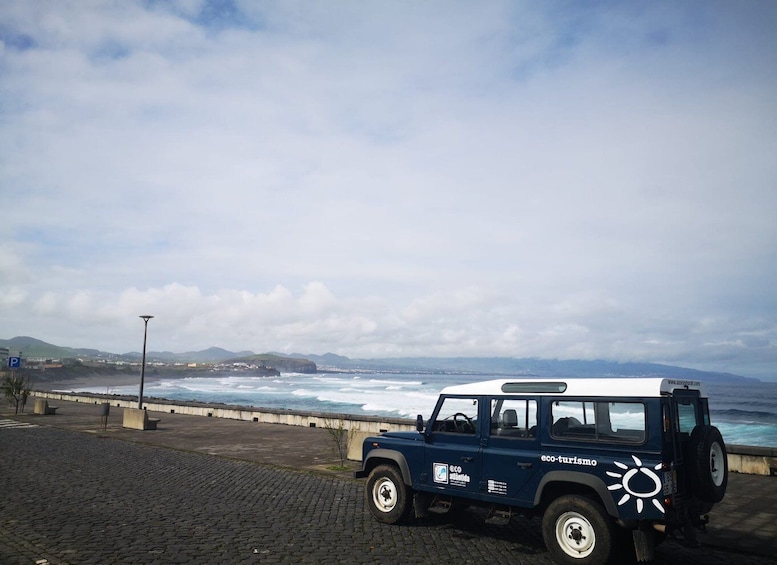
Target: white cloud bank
(393, 179)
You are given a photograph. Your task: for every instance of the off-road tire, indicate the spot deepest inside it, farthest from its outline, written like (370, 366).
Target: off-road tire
(707, 464)
(388, 497)
(578, 531)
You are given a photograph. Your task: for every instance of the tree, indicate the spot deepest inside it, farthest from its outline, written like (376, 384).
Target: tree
(16, 388)
(340, 437)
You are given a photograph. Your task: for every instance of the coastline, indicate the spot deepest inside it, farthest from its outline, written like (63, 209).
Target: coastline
(96, 381)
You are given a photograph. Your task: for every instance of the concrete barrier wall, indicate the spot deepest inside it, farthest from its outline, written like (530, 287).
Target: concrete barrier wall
(752, 460)
(369, 424)
(741, 458)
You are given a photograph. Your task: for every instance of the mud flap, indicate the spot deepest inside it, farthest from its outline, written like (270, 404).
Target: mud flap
(421, 502)
(644, 544)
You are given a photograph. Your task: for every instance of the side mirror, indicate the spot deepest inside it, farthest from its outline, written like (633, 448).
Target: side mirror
(419, 423)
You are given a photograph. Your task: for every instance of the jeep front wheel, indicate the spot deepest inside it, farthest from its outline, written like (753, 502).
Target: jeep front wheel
(578, 531)
(388, 498)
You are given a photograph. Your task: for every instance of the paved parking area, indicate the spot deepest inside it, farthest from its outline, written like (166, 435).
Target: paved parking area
(70, 497)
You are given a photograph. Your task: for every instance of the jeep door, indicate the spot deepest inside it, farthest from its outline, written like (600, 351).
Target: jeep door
(453, 446)
(510, 459)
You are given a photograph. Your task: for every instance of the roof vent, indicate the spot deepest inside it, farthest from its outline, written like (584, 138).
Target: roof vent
(534, 387)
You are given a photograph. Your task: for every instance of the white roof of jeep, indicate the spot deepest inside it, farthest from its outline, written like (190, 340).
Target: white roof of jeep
(609, 387)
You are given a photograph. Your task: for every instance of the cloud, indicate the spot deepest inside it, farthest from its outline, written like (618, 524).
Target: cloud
(393, 179)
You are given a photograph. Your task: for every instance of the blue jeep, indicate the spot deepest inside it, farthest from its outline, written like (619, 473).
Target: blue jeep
(602, 461)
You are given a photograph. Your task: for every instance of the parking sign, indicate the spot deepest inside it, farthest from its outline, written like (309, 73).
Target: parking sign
(14, 362)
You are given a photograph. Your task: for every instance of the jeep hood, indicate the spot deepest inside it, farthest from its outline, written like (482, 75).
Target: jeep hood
(406, 436)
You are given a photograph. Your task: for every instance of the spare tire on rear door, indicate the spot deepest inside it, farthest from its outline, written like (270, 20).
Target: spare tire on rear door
(707, 464)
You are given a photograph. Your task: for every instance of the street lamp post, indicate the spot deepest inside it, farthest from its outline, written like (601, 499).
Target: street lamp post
(143, 365)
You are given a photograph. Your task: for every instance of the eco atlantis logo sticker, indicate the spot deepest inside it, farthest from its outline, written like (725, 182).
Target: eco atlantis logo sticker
(639, 482)
(441, 473)
(453, 475)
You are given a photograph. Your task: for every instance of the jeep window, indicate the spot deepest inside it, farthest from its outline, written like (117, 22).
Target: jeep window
(513, 418)
(458, 416)
(688, 415)
(615, 422)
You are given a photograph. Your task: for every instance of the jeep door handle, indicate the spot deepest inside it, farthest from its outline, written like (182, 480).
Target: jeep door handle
(468, 459)
(525, 465)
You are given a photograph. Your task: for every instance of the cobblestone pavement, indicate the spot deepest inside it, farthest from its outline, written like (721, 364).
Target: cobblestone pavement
(74, 498)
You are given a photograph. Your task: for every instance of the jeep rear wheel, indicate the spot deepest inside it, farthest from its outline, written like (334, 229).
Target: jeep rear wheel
(578, 531)
(708, 464)
(388, 498)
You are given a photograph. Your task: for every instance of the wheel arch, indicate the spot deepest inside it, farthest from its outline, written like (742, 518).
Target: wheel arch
(380, 456)
(560, 483)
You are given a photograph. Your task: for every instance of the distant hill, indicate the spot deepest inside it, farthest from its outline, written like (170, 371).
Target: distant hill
(31, 347)
(210, 355)
(74, 367)
(282, 363)
(310, 363)
(506, 366)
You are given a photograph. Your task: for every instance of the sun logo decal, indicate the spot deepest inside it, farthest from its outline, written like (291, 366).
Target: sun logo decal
(639, 481)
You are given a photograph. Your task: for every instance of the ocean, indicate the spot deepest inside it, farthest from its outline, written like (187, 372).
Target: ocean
(745, 413)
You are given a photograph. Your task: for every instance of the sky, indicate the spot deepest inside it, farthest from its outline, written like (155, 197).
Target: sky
(565, 180)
